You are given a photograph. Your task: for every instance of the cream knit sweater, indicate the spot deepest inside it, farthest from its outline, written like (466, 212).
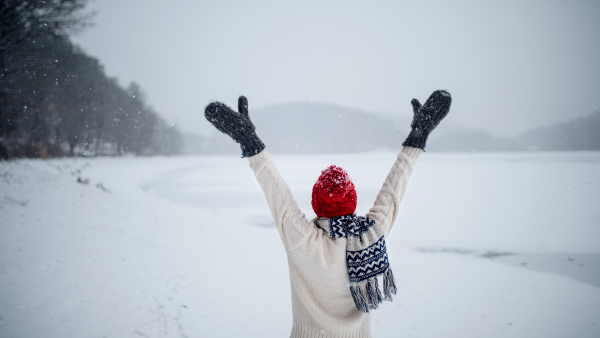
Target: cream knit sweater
(321, 301)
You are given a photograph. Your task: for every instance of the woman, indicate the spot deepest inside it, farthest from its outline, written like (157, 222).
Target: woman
(336, 259)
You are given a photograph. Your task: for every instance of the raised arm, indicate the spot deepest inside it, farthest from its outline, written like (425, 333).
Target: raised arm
(386, 204)
(291, 223)
(425, 119)
(293, 227)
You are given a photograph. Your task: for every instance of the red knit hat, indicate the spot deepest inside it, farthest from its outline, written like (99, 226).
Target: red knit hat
(334, 194)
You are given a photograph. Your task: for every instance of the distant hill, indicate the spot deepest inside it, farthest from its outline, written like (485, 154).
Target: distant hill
(195, 144)
(471, 141)
(305, 127)
(576, 134)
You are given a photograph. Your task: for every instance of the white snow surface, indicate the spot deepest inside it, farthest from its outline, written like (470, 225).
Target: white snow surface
(186, 247)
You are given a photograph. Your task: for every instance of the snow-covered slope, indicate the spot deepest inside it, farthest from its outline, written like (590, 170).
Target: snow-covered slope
(185, 246)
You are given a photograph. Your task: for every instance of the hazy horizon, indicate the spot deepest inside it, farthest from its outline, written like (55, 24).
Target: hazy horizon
(510, 66)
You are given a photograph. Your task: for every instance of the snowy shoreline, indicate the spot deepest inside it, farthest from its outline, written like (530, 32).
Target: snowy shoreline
(162, 247)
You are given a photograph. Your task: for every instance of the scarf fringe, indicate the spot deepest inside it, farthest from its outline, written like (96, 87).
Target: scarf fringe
(359, 298)
(389, 284)
(370, 287)
(373, 293)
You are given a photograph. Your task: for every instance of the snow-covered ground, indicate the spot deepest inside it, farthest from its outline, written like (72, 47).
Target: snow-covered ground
(486, 245)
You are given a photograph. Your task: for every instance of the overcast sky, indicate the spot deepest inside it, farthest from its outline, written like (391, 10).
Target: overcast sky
(509, 65)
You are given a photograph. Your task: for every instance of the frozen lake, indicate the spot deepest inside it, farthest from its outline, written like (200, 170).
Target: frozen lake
(486, 245)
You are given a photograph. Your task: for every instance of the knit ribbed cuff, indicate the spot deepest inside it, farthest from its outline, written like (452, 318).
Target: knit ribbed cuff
(256, 159)
(259, 159)
(412, 153)
(250, 144)
(416, 138)
(304, 331)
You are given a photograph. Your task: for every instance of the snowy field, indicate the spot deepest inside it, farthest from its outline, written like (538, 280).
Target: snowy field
(486, 245)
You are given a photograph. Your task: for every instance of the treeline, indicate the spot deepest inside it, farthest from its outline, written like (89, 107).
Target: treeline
(55, 100)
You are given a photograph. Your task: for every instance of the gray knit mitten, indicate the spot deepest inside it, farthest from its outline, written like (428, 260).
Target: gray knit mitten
(427, 117)
(237, 125)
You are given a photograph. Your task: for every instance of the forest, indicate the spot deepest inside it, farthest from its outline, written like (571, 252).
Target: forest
(55, 100)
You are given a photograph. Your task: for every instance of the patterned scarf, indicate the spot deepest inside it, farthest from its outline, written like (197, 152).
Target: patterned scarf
(366, 256)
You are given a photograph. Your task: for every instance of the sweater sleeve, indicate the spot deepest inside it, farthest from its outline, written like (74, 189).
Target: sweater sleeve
(386, 205)
(293, 227)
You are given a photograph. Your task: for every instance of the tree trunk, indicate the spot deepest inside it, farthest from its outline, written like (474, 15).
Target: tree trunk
(72, 143)
(3, 152)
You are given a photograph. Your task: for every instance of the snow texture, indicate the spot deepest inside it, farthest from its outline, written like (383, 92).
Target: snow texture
(334, 179)
(186, 247)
